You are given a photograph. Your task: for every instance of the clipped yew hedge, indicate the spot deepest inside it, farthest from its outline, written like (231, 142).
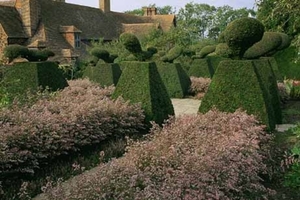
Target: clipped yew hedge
(266, 75)
(275, 67)
(105, 74)
(269, 42)
(176, 80)
(201, 68)
(25, 76)
(236, 85)
(81, 115)
(140, 82)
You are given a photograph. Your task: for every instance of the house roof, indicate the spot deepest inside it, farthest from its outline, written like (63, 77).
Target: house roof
(140, 29)
(91, 21)
(11, 22)
(7, 3)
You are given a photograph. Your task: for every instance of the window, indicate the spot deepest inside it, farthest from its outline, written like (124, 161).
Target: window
(77, 40)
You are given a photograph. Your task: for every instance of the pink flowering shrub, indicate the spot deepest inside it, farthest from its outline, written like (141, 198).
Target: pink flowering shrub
(199, 86)
(210, 156)
(82, 114)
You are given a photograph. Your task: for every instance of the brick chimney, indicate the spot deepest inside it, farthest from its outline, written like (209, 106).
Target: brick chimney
(104, 5)
(149, 11)
(30, 12)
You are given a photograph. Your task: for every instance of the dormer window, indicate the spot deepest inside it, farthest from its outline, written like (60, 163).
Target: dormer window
(77, 40)
(72, 35)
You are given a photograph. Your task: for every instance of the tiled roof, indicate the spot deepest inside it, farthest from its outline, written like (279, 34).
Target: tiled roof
(140, 29)
(11, 22)
(7, 3)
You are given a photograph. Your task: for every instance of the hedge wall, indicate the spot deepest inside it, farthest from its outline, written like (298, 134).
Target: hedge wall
(267, 76)
(236, 85)
(105, 74)
(201, 68)
(274, 65)
(25, 76)
(141, 82)
(175, 79)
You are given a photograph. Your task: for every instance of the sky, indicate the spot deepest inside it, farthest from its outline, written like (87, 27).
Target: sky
(124, 5)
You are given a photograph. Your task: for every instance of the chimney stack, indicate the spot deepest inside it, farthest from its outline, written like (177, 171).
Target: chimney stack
(104, 5)
(150, 11)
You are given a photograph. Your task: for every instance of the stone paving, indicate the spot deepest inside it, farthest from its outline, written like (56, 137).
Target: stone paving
(185, 106)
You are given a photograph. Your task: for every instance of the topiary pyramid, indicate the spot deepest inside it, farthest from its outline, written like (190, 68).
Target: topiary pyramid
(140, 82)
(25, 76)
(201, 68)
(175, 79)
(236, 85)
(105, 74)
(266, 75)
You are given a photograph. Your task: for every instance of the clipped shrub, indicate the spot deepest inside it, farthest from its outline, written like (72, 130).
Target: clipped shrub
(79, 116)
(140, 82)
(174, 53)
(212, 156)
(214, 61)
(284, 93)
(201, 68)
(241, 34)
(26, 76)
(36, 56)
(285, 41)
(105, 74)
(175, 79)
(275, 67)
(14, 51)
(235, 85)
(103, 55)
(185, 61)
(287, 65)
(223, 50)
(207, 50)
(266, 75)
(269, 43)
(132, 44)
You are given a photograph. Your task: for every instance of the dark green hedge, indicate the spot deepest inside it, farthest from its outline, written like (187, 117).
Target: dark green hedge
(286, 63)
(175, 79)
(223, 50)
(275, 68)
(185, 62)
(242, 33)
(105, 74)
(141, 82)
(236, 85)
(25, 76)
(269, 42)
(201, 68)
(267, 77)
(207, 50)
(214, 61)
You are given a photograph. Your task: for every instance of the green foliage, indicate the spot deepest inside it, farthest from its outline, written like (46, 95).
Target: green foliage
(285, 41)
(140, 82)
(175, 79)
(235, 85)
(174, 53)
(269, 43)
(241, 34)
(267, 77)
(102, 54)
(223, 50)
(207, 50)
(105, 74)
(287, 64)
(201, 68)
(13, 51)
(275, 68)
(214, 61)
(21, 77)
(36, 56)
(131, 43)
